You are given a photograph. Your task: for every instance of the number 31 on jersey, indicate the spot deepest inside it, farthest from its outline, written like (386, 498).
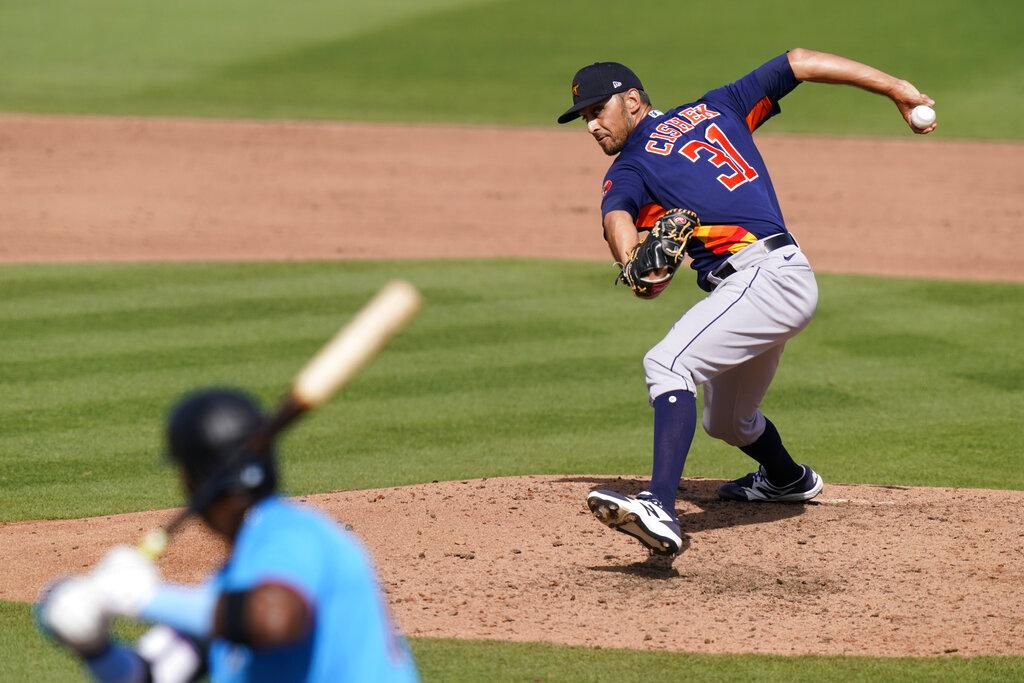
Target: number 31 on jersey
(718, 150)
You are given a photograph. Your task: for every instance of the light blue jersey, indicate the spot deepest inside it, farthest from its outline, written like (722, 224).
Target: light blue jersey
(353, 638)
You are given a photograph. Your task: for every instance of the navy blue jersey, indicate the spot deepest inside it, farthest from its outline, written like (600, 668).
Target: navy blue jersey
(701, 156)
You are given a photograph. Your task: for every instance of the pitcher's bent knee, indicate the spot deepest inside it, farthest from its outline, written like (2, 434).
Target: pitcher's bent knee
(733, 430)
(661, 378)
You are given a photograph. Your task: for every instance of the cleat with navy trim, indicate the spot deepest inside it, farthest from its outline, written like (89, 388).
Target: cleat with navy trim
(755, 486)
(642, 517)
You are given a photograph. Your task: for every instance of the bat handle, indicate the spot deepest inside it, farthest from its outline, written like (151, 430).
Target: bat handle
(289, 411)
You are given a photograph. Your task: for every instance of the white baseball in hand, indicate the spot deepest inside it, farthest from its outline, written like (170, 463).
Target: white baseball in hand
(922, 116)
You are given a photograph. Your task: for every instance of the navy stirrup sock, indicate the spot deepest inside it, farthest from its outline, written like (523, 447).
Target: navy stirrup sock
(675, 420)
(769, 452)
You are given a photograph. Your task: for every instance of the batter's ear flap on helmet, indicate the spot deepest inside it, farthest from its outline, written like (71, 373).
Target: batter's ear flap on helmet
(257, 476)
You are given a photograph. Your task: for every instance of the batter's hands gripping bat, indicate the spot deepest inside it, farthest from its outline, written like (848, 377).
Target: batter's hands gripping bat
(332, 367)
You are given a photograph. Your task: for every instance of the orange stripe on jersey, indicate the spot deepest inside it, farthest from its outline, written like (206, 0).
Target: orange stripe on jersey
(720, 239)
(759, 113)
(649, 215)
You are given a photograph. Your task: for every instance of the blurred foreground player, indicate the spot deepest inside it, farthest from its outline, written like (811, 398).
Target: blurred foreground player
(296, 600)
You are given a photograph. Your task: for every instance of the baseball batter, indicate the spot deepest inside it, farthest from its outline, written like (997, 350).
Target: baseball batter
(691, 180)
(298, 598)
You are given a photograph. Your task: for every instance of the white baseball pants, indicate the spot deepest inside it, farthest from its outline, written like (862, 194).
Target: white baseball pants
(731, 341)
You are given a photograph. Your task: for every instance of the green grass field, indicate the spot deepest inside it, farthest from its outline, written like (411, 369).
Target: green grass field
(895, 382)
(483, 662)
(496, 62)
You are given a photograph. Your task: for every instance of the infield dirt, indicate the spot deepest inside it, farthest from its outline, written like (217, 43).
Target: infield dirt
(867, 570)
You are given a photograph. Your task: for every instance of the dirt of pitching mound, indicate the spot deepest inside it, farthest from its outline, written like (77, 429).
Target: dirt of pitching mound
(861, 570)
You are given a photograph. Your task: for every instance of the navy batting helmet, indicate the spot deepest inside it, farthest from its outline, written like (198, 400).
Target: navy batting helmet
(207, 434)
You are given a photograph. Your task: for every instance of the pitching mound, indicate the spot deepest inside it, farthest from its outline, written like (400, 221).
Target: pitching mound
(863, 570)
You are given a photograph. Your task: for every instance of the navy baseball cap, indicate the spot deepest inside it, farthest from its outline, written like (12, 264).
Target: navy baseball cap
(598, 82)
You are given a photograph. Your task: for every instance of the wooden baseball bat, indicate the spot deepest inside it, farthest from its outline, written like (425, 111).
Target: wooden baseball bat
(337, 362)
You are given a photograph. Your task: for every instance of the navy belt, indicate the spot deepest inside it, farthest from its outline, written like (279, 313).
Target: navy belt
(771, 244)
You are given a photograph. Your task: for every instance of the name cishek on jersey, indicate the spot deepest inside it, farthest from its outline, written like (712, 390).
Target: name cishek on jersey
(701, 156)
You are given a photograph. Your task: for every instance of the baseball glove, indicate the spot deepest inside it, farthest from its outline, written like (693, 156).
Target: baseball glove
(653, 262)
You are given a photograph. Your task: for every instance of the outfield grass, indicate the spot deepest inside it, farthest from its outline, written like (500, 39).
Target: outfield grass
(511, 62)
(895, 382)
(488, 661)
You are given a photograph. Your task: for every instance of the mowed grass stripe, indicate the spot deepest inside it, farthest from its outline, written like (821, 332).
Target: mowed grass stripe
(895, 381)
(472, 61)
(91, 373)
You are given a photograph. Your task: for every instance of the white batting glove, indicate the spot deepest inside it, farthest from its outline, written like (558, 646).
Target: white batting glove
(172, 657)
(73, 612)
(126, 580)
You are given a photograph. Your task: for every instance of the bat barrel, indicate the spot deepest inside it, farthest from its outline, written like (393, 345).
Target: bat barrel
(351, 348)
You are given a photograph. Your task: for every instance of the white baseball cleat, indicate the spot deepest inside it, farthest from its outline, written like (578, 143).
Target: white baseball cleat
(642, 517)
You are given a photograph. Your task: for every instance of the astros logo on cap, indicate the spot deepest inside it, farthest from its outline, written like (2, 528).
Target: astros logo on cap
(575, 89)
